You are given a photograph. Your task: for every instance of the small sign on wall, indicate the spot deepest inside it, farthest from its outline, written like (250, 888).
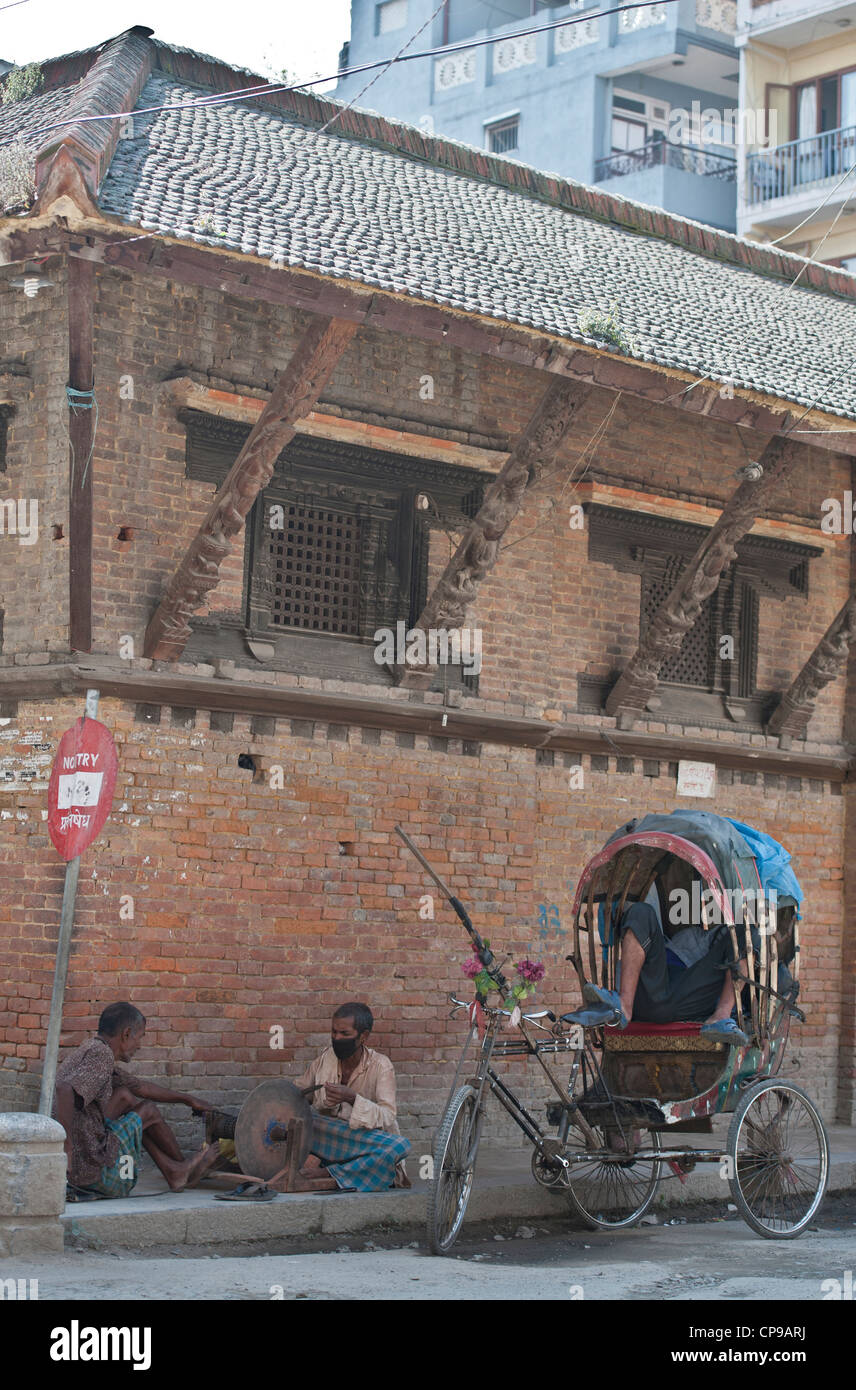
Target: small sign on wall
(696, 779)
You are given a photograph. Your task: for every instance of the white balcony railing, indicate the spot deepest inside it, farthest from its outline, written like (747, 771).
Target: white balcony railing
(454, 70)
(514, 53)
(799, 165)
(717, 14)
(577, 35)
(631, 20)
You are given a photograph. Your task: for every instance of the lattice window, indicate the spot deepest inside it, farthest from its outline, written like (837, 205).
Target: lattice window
(695, 663)
(315, 570)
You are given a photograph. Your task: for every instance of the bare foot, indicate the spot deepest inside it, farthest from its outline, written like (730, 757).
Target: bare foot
(314, 1170)
(188, 1174)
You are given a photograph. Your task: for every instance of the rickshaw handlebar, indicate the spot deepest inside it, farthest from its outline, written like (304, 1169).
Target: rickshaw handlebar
(483, 952)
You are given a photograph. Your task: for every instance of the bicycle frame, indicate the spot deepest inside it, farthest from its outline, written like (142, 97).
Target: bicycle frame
(560, 1039)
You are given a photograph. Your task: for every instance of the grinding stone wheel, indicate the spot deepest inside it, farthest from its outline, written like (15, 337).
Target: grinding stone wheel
(276, 1102)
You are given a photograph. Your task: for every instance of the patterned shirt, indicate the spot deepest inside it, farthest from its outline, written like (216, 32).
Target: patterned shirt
(89, 1071)
(373, 1081)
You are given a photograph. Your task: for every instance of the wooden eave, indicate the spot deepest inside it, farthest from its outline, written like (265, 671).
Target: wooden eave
(404, 715)
(113, 244)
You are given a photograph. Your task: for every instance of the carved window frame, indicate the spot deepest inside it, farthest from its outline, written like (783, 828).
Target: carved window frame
(649, 544)
(382, 489)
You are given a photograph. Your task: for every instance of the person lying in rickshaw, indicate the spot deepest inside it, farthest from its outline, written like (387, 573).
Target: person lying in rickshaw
(678, 974)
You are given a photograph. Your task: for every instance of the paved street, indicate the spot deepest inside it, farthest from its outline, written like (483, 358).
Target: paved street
(707, 1260)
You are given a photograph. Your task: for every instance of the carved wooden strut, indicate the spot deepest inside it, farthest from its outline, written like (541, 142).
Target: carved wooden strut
(791, 715)
(478, 549)
(636, 685)
(293, 397)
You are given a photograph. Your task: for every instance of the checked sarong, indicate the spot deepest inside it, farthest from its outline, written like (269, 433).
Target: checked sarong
(110, 1183)
(361, 1160)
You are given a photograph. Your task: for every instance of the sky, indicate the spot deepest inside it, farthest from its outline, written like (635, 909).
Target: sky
(303, 37)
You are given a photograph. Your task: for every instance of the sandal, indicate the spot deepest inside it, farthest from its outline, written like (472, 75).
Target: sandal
(247, 1192)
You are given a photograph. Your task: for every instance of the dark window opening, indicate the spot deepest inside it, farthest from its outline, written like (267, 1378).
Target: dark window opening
(503, 136)
(336, 547)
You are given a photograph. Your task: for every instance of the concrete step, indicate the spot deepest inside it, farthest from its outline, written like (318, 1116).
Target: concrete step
(503, 1190)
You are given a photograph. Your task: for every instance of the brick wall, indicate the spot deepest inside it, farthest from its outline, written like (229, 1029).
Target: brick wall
(247, 914)
(34, 577)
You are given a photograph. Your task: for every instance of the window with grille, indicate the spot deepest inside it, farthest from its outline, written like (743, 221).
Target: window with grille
(336, 547)
(696, 662)
(708, 678)
(314, 567)
(503, 136)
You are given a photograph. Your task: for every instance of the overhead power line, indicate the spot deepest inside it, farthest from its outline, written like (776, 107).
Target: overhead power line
(273, 89)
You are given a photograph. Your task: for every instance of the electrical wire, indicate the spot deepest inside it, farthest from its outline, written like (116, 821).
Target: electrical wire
(814, 211)
(378, 75)
(274, 89)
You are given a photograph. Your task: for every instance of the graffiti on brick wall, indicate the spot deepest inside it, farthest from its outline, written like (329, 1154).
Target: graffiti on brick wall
(25, 760)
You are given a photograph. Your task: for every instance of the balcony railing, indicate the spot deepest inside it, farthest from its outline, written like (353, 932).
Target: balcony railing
(631, 20)
(789, 168)
(660, 151)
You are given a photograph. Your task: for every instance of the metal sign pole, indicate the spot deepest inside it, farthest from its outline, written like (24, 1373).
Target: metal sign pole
(63, 952)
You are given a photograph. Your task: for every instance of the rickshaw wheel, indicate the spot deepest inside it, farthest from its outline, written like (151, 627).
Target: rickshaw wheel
(779, 1159)
(455, 1153)
(610, 1192)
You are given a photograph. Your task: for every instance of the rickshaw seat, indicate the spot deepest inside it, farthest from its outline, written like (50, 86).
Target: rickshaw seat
(671, 1030)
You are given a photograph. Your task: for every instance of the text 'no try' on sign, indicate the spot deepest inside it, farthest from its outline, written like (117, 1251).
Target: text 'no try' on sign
(80, 792)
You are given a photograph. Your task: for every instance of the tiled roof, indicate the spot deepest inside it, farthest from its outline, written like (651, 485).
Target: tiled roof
(249, 177)
(19, 120)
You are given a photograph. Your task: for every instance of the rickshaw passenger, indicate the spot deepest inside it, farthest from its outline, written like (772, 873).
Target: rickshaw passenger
(658, 986)
(680, 977)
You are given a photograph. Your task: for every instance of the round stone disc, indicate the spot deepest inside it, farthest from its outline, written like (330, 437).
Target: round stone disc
(275, 1102)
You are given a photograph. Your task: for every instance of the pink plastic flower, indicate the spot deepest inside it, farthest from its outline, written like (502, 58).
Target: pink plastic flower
(531, 970)
(471, 968)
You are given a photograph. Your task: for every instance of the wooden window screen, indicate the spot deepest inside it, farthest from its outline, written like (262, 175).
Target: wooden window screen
(695, 663)
(315, 570)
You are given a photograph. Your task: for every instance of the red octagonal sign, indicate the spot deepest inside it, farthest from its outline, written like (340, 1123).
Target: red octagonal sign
(80, 792)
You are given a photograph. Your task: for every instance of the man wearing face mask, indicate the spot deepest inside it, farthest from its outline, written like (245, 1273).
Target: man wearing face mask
(352, 1088)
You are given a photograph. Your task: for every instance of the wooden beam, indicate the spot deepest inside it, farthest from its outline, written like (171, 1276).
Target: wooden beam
(166, 687)
(635, 688)
(828, 660)
(81, 433)
(478, 548)
(247, 279)
(294, 395)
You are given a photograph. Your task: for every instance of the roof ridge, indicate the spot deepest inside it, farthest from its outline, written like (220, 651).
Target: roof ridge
(112, 82)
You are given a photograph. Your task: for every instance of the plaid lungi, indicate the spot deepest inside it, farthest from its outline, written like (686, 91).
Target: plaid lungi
(113, 1181)
(361, 1160)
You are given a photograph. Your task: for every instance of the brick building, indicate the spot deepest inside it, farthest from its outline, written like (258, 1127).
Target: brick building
(377, 324)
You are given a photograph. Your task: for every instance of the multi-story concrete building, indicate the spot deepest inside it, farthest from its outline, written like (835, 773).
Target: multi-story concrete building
(607, 99)
(798, 66)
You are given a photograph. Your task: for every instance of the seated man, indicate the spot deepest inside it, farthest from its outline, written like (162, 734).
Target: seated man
(108, 1116)
(680, 976)
(355, 1130)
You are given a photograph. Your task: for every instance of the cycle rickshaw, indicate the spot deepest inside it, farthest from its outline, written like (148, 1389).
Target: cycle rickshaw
(606, 1140)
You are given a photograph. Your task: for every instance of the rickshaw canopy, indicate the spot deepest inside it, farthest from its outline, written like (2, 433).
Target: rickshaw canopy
(745, 858)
